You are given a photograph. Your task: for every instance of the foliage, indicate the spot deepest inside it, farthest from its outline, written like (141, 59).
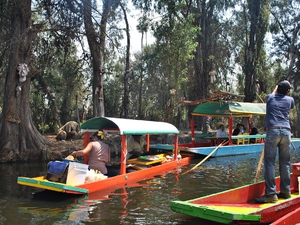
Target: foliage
(191, 38)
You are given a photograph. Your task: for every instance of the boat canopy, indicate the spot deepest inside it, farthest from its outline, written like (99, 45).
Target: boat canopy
(230, 109)
(128, 126)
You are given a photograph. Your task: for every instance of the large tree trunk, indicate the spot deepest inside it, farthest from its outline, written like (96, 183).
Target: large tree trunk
(20, 140)
(97, 48)
(127, 70)
(202, 65)
(253, 51)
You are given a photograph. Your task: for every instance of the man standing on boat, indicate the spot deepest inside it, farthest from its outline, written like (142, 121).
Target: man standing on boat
(278, 136)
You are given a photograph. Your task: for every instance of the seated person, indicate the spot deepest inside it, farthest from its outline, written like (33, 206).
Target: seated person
(240, 129)
(221, 134)
(254, 131)
(98, 153)
(135, 146)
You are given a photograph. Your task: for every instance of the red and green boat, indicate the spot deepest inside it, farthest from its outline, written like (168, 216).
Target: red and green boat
(140, 168)
(237, 206)
(289, 219)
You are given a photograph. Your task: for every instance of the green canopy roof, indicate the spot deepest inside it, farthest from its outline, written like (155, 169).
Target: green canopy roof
(230, 109)
(128, 126)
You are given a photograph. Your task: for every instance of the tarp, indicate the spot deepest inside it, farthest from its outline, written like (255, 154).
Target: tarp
(128, 126)
(230, 109)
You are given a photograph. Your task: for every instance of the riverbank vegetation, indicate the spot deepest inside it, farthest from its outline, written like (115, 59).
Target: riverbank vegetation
(73, 60)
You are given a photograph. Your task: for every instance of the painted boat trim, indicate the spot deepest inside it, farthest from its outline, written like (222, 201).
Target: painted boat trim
(228, 150)
(238, 206)
(42, 183)
(288, 219)
(112, 183)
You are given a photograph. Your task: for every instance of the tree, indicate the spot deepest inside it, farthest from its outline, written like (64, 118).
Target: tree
(285, 27)
(127, 66)
(20, 140)
(97, 49)
(258, 12)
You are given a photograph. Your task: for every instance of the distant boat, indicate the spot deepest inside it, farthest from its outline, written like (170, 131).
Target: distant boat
(237, 206)
(222, 105)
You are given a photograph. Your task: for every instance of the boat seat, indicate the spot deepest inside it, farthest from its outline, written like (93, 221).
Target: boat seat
(240, 141)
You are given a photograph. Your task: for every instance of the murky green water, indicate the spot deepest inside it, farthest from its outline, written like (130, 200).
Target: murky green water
(147, 203)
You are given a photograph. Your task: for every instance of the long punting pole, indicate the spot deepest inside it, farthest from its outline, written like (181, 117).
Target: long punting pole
(123, 154)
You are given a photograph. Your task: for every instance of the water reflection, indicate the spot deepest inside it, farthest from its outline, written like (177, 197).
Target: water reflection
(143, 203)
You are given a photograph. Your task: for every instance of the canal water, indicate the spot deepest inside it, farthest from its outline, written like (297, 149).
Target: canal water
(146, 203)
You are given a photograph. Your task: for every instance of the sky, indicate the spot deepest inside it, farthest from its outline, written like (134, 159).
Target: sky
(135, 36)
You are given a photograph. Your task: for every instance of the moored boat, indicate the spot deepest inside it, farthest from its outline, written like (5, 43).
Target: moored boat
(292, 218)
(223, 106)
(237, 206)
(140, 168)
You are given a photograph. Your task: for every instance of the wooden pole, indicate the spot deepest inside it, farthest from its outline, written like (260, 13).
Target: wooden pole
(259, 164)
(210, 154)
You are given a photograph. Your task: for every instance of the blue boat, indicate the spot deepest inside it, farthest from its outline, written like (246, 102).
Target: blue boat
(228, 150)
(234, 145)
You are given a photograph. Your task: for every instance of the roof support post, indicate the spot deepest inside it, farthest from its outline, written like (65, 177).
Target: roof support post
(148, 142)
(86, 140)
(123, 154)
(230, 128)
(175, 153)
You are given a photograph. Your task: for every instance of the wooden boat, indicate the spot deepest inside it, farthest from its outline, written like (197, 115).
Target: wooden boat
(225, 150)
(141, 168)
(222, 105)
(291, 218)
(237, 206)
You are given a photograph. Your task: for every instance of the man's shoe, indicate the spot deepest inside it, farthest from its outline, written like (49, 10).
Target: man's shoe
(283, 195)
(267, 199)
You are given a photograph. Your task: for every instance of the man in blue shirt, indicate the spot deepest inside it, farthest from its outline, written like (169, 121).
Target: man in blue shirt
(278, 136)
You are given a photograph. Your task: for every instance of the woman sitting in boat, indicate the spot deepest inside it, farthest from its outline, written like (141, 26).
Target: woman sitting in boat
(135, 146)
(98, 153)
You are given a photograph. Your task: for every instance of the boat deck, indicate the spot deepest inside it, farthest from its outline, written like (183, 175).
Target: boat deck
(237, 206)
(246, 208)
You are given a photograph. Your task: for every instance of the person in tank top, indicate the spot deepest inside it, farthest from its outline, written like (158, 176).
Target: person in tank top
(97, 151)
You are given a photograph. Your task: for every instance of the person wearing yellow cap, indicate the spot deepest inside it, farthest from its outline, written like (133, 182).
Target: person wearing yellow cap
(97, 151)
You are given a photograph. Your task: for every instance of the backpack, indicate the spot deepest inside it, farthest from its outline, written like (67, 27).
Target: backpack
(57, 171)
